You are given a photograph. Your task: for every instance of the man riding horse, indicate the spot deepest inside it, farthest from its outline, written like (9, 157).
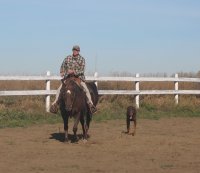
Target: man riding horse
(74, 65)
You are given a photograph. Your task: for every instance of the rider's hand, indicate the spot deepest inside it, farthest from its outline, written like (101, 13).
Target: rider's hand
(70, 71)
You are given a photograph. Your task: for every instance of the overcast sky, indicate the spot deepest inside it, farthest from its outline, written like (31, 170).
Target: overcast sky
(132, 36)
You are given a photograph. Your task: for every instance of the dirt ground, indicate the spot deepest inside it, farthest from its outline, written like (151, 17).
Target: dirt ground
(165, 145)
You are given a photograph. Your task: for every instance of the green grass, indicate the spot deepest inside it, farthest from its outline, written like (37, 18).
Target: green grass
(26, 112)
(24, 119)
(13, 118)
(148, 111)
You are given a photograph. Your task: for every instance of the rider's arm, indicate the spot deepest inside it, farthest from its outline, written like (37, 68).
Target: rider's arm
(63, 68)
(80, 68)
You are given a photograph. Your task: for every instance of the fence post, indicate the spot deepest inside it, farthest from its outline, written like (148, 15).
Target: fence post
(137, 88)
(176, 89)
(95, 76)
(48, 96)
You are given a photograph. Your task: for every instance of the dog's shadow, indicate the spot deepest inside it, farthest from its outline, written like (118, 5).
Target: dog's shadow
(126, 133)
(61, 137)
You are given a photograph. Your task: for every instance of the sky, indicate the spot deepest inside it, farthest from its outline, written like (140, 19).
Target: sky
(115, 36)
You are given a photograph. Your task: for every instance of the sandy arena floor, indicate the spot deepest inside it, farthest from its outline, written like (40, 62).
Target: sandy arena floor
(159, 146)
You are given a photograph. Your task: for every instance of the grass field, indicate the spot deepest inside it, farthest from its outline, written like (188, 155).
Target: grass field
(27, 110)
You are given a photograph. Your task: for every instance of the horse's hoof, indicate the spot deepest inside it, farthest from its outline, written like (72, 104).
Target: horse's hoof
(85, 141)
(66, 141)
(133, 134)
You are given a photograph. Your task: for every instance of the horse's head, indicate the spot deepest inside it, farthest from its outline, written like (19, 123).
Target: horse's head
(70, 91)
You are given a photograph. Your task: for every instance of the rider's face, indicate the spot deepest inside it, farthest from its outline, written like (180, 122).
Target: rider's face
(75, 52)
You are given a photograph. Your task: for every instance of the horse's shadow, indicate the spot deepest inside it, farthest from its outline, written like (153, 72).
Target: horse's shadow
(61, 137)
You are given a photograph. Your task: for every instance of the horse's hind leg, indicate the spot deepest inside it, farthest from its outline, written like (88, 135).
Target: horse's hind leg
(86, 129)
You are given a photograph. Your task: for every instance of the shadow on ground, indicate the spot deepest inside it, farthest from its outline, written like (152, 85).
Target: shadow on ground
(61, 137)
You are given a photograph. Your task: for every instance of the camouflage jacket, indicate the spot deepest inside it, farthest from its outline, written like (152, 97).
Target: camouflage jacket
(74, 63)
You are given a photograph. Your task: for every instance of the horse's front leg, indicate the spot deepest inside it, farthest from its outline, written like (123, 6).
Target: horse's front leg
(75, 127)
(65, 117)
(66, 129)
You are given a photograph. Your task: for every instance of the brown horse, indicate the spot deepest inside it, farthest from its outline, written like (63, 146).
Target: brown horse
(74, 104)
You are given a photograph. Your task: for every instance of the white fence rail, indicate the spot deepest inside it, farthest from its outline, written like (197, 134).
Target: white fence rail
(136, 81)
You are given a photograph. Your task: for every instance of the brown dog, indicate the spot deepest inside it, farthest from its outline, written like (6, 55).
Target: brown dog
(131, 116)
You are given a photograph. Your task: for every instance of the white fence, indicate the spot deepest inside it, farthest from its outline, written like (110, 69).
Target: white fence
(136, 81)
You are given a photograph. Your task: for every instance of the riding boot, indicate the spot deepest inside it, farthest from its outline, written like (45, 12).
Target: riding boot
(54, 108)
(92, 108)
